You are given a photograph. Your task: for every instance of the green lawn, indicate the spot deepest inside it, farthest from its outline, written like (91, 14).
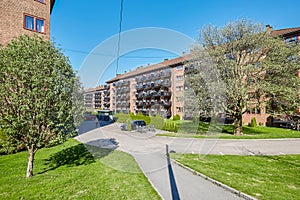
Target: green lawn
(263, 177)
(193, 130)
(69, 171)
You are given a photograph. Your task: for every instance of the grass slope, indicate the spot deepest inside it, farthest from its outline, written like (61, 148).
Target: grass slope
(69, 171)
(264, 177)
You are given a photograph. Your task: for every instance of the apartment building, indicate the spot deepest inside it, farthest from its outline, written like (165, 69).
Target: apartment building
(18, 17)
(153, 89)
(97, 98)
(159, 88)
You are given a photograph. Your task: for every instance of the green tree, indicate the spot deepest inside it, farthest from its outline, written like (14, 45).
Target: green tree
(40, 95)
(250, 63)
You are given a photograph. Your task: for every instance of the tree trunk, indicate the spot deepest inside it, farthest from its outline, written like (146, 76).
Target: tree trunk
(31, 152)
(238, 125)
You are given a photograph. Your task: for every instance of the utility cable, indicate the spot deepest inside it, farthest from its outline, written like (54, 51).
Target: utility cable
(119, 35)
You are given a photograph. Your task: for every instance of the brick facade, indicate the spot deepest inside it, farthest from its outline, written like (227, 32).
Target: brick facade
(12, 17)
(160, 87)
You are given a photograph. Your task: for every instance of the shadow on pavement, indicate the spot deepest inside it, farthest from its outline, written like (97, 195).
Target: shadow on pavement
(174, 189)
(102, 147)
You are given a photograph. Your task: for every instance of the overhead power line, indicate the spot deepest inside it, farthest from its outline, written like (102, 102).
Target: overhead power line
(119, 35)
(111, 55)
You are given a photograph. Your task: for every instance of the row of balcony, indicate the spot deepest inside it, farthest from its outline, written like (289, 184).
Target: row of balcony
(165, 104)
(122, 90)
(122, 83)
(152, 85)
(153, 94)
(166, 113)
(123, 96)
(153, 76)
(126, 104)
(123, 109)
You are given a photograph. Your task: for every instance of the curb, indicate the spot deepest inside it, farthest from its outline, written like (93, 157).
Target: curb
(222, 185)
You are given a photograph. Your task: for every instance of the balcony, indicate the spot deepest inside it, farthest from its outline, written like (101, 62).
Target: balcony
(167, 104)
(167, 94)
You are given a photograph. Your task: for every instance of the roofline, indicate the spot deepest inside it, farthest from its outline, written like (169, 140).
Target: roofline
(140, 70)
(52, 2)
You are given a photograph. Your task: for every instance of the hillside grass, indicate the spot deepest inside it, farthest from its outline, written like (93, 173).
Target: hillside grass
(69, 171)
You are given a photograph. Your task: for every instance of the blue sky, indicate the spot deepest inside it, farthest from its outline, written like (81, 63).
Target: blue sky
(79, 26)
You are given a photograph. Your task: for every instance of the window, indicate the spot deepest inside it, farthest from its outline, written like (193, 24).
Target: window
(40, 27)
(29, 22)
(34, 24)
(179, 109)
(179, 67)
(179, 88)
(41, 1)
(179, 78)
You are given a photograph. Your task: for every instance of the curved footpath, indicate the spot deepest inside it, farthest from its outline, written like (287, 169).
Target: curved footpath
(169, 179)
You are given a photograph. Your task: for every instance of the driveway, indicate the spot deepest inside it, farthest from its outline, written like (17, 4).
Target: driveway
(170, 180)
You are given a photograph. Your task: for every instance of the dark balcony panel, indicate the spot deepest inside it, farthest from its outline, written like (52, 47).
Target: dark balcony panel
(167, 94)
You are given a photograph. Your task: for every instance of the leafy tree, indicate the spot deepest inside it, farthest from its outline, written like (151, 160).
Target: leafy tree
(251, 64)
(40, 95)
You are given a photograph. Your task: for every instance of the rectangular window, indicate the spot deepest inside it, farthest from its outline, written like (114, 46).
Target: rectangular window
(179, 67)
(40, 25)
(34, 24)
(41, 1)
(179, 88)
(179, 109)
(29, 22)
(179, 78)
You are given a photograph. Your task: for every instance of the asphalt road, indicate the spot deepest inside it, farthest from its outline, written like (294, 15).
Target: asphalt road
(169, 179)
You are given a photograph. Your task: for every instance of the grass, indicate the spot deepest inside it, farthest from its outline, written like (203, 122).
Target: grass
(263, 177)
(69, 171)
(193, 130)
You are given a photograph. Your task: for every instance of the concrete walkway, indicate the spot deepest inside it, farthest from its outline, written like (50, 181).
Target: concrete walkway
(170, 180)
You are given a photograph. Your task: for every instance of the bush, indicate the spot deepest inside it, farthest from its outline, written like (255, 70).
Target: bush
(176, 117)
(170, 126)
(122, 118)
(253, 122)
(157, 121)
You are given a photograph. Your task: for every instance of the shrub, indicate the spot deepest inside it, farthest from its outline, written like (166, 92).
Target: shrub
(253, 122)
(157, 121)
(122, 118)
(170, 126)
(261, 123)
(176, 117)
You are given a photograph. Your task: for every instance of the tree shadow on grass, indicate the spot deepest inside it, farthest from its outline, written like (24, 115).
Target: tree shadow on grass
(80, 154)
(246, 130)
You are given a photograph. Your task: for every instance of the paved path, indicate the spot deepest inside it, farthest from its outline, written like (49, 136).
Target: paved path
(169, 179)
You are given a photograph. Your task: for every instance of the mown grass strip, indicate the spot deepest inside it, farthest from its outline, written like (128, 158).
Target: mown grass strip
(263, 177)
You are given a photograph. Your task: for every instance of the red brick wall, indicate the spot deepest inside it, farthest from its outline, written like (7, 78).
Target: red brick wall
(260, 118)
(12, 18)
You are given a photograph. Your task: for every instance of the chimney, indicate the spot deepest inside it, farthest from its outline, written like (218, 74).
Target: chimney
(269, 28)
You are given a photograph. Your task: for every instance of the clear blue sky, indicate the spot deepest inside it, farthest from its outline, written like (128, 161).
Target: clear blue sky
(79, 26)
